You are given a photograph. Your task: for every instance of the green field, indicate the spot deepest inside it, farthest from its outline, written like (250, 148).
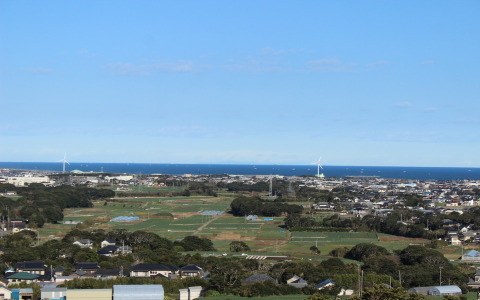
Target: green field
(177, 217)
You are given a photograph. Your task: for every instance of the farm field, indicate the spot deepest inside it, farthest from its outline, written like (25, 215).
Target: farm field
(177, 217)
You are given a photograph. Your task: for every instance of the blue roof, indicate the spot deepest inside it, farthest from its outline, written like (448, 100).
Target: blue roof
(472, 253)
(324, 283)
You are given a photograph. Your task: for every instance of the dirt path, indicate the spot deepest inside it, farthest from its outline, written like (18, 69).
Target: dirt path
(205, 225)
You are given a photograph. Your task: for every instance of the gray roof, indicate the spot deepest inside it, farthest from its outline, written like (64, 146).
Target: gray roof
(132, 292)
(53, 289)
(445, 289)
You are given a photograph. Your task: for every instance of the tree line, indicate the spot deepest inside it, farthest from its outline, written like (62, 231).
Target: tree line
(40, 204)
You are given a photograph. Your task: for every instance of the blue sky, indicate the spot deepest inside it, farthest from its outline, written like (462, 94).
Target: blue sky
(392, 83)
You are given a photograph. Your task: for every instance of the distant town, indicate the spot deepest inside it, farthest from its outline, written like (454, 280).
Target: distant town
(213, 236)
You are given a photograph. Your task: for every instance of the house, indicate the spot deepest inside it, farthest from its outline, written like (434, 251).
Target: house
(468, 236)
(297, 282)
(84, 243)
(5, 293)
(471, 256)
(112, 250)
(53, 293)
(108, 250)
(330, 283)
(17, 224)
(58, 271)
(80, 274)
(454, 240)
(22, 277)
(325, 284)
(258, 278)
(88, 267)
(191, 271)
(32, 267)
(108, 242)
(24, 294)
(107, 273)
(149, 270)
(122, 250)
(475, 282)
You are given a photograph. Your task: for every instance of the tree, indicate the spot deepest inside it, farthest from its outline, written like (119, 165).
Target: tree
(194, 243)
(315, 250)
(319, 296)
(363, 251)
(239, 246)
(381, 292)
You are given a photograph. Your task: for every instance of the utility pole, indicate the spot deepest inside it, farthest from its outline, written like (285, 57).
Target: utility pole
(362, 284)
(359, 281)
(440, 275)
(400, 277)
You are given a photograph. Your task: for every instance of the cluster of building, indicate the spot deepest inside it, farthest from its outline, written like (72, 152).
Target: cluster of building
(39, 272)
(50, 278)
(118, 292)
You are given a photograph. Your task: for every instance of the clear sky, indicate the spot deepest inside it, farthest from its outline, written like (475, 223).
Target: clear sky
(392, 83)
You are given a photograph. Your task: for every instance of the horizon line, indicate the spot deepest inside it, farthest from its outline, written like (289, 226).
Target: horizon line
(245, 164)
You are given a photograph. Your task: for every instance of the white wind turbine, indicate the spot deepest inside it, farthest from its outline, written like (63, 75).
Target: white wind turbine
(319, 166)
(64, 161)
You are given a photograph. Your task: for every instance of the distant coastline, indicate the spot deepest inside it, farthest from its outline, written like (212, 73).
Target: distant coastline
(412, 173)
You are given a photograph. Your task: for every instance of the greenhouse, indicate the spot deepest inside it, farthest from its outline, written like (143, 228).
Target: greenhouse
(143, 292)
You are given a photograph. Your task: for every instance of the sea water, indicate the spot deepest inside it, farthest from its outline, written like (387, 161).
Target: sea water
(414, 173)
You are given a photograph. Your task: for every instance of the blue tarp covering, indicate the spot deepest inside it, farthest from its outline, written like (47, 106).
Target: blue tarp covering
(124, 219)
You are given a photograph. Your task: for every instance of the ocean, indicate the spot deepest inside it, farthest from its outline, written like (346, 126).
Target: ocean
(413, 173)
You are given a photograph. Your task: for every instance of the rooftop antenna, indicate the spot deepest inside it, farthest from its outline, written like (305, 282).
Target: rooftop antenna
(64, 161)
(319, 166)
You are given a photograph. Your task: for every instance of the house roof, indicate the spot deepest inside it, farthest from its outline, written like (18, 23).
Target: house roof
(86, 266)
(31, 265)
(53, 289)
(191, 268)
(59, 269)
(104, 273)
(108, 249)
(473, 253)
(84, 241)
(154, 267)
(23, 276)
(325, 283)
